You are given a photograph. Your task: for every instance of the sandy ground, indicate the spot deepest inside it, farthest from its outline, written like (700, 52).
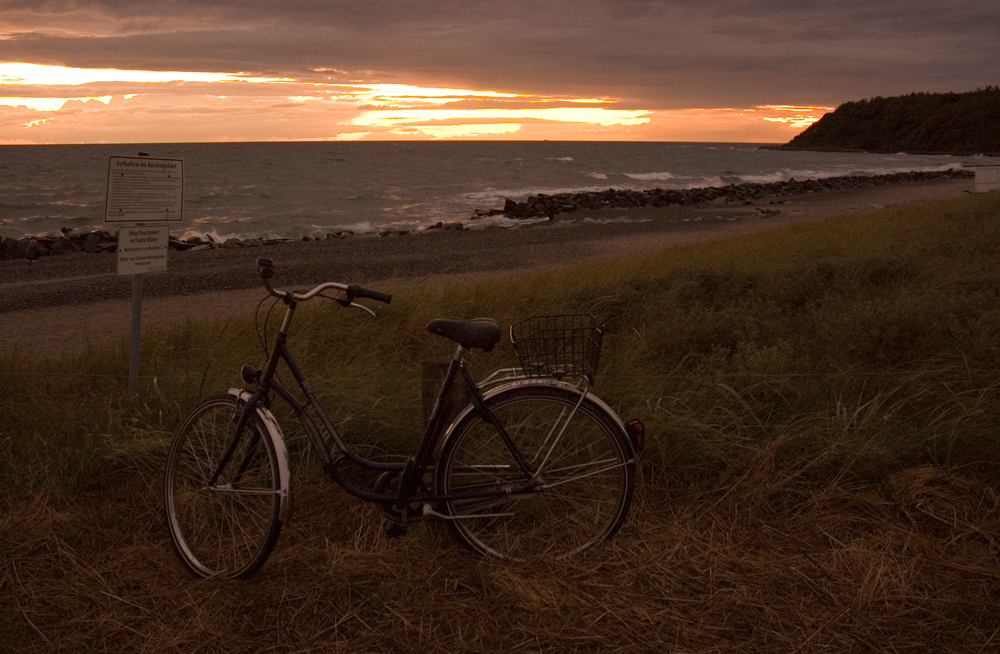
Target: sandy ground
(64, 303)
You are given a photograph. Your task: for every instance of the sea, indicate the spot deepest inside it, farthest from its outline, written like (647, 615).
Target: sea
(306, 189)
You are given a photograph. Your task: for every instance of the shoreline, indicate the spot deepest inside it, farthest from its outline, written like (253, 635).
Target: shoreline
(66, 302)
(536, 208)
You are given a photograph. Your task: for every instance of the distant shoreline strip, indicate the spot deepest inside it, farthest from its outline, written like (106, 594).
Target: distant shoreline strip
(534, 208)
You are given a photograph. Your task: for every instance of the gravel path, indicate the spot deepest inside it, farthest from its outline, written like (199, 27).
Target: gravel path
(67, 300)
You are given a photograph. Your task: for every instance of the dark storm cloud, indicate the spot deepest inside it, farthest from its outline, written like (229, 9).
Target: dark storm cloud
(651, 54)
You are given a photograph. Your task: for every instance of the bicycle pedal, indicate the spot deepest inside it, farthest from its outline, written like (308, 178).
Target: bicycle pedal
(394, 530)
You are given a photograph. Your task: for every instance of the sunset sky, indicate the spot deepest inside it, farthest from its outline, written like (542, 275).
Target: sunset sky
(132, 71)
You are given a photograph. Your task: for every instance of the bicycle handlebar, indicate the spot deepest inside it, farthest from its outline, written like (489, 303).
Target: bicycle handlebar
(352, 291)
(355, 291)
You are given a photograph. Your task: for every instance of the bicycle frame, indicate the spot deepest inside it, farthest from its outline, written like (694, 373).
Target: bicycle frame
(411, 472)
(532, 464)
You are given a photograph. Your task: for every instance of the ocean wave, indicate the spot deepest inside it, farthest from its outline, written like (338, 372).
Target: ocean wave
(615, 221)
(261, 189)
(22, 206)
(650, 177)
(863, 171)
(496, 197)
(80, 202)
(223, 219)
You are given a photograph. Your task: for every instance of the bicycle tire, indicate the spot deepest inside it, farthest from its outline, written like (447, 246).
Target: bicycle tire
(583, 491)
(228, 530)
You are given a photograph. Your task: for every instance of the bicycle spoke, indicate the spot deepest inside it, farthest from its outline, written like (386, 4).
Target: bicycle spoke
(607, 468)
(227, 529)
(583, 475)
(243, 491)
(555, 441)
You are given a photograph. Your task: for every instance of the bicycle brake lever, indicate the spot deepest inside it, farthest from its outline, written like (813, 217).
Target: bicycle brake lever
(361, 306)
(348, 304)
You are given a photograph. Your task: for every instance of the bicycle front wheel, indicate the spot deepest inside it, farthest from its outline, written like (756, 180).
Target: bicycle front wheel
(228, 528)
(579, 480)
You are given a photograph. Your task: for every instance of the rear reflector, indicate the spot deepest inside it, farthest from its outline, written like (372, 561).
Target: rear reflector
(636, 434)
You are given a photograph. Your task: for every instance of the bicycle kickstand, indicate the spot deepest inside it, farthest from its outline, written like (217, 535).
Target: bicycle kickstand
(396, 529)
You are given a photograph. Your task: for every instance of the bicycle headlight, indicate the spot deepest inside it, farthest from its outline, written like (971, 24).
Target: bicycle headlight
(249, 374)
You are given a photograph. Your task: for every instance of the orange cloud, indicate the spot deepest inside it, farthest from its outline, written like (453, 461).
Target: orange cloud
(41, 75)
(134, 106)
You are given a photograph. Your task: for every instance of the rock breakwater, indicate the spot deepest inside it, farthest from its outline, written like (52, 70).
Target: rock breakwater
(542, 206)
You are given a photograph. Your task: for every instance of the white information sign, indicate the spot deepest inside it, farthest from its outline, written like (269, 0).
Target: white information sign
(142, 249)
(142, 189)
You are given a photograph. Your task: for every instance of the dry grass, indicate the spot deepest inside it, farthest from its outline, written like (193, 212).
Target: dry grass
(821, 474)
(769, 559)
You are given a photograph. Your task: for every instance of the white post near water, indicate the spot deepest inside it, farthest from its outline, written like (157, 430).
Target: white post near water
(143, 196)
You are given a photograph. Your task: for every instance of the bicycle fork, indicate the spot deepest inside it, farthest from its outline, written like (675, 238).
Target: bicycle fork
(241, 424)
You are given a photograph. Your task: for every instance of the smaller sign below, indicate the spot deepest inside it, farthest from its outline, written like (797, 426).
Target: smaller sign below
(987, 177)
(142, 249)
(141, 189)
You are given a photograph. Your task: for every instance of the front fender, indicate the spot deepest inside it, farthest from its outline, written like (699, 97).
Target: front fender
(269, 422)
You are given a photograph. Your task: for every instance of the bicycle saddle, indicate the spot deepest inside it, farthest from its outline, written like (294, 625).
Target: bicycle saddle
(482, 333)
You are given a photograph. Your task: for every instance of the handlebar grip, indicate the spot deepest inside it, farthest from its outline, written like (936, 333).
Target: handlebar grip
(355, 291)
(266, 267)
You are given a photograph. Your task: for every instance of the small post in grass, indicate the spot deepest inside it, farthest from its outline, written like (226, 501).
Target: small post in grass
(134, 333)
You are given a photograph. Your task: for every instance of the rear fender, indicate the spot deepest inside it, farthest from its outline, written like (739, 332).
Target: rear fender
(535, 382)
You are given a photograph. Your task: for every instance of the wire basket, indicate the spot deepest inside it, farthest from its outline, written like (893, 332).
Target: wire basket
(558, 346)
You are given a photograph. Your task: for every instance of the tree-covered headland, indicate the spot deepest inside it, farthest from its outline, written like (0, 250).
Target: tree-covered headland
(940, 123)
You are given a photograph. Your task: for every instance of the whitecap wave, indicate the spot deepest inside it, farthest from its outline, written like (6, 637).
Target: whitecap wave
(263, 188)
(650, 177)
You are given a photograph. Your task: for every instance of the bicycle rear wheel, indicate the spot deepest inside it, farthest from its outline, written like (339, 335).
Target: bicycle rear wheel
(582, 483)
(227, 529)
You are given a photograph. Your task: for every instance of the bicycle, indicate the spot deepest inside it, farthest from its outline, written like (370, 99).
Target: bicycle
(535, 465)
